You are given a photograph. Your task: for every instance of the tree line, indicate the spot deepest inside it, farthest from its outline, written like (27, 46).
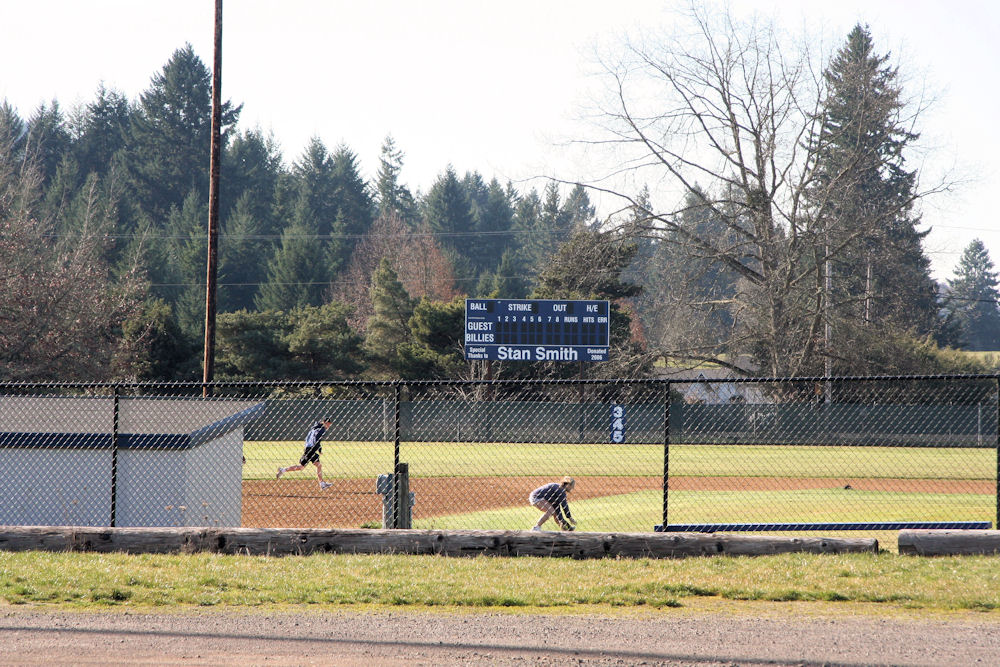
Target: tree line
(794, 249)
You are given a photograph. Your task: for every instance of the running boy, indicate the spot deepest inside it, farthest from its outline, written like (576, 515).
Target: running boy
(313, 448)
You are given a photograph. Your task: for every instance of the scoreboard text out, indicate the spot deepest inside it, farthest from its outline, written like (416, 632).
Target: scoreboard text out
(536, 330)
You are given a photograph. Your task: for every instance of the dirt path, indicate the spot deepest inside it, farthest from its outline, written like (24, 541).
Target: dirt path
(671, 637)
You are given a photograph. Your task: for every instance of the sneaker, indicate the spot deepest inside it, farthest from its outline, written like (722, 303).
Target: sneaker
(325, 485)
(281, 471)
(536, 528)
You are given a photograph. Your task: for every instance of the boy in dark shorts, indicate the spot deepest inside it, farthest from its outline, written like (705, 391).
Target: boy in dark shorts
(313, 448)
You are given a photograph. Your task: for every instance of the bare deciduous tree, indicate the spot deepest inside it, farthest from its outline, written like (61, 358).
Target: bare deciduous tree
(416, 258)
(727, 120)
(60, 304)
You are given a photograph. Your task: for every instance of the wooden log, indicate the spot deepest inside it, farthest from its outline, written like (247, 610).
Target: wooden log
(283, 542)
(949, 542)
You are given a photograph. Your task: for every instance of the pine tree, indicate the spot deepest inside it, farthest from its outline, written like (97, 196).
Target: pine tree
(12, 134)
(169, 134)
(353, 202)
(864, 198)
(187, 248)
(252, 168)
(388, 327)
(492, 226)
(392, 197)
(48, 139)
(244, 250)
(100, 130)
(321, 344)
(974, 298)
(577, 210)
(297, 275)
(448, 214)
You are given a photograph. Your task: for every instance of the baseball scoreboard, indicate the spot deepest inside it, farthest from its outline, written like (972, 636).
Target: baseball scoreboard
(536, 330)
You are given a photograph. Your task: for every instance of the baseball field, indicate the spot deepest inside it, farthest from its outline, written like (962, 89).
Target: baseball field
(620, 487)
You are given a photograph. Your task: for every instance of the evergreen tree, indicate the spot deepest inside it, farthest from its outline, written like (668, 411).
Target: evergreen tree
(12, 134)
(251, 168)
(524, 227)
(435, 350)
(392, 197)
(170, 132)
(974, 298)
(353, 204)
(100, 130)
(315, 189)
(321, 345)
(48, 139)
(251, 345)
(186, 258)
(492, 225)
(448, 213)
(298, 273)
(578, 212)
(244, 250)
(388, 327)
(864, 195)
(508, 281)
(332, 199)
(153, 347)
(309, 343)
(551, 228)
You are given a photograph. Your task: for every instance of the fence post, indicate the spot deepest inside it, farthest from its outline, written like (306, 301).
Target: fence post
(396, 508)
(402, 500)
(996, 435)
(666, 449)
(114, 456)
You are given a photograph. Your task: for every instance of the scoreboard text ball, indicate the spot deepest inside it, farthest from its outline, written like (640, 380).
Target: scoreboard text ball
(536, 330)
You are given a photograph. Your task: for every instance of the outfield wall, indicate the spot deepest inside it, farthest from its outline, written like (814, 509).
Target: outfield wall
(527, 421)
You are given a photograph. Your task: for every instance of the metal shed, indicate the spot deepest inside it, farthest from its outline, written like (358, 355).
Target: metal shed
(101, 461)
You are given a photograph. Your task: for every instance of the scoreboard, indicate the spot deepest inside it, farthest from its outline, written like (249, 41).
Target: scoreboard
(536, 330)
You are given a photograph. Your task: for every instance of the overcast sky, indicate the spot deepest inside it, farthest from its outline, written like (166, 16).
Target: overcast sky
(491, 86)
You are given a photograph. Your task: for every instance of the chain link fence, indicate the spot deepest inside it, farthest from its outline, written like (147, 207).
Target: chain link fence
(745, 454)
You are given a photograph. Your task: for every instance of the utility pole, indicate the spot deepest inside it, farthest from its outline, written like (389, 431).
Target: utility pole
(213, 204)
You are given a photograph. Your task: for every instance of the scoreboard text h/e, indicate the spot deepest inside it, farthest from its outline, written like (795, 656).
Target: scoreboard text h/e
(536, 330)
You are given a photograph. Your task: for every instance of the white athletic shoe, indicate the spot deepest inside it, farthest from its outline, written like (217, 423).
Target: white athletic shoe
(325, 485)
(536, 528)
(281, 471)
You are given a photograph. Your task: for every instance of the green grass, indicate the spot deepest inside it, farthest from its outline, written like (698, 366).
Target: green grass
(640, 511)
(357, 459)
(100, 581)
(833, 462)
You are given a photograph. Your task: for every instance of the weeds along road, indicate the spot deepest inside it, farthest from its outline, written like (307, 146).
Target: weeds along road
(742, 634)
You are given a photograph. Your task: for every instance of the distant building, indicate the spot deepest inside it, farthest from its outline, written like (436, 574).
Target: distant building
(709, 386)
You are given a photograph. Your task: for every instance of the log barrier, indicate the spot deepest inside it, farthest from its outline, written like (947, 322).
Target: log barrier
(283, 542)
(949, 542)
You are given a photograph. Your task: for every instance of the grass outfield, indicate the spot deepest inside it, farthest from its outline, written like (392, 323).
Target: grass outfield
(370, 459)
(639, 512)
(853, 583)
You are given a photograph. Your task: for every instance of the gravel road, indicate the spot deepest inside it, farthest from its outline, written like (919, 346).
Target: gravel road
(668, 637)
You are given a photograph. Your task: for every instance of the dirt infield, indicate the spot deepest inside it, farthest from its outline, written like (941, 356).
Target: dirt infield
(351, 503)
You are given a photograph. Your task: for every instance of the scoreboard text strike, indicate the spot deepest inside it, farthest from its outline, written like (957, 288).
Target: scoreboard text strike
(536, 330)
